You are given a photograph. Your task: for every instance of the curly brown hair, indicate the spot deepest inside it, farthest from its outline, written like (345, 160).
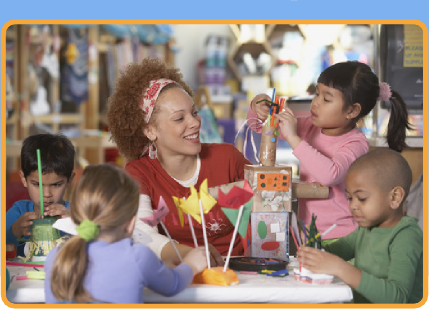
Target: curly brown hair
(125, 117)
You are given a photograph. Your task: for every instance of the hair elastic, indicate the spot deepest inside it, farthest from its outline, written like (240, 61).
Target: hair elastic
(385, 92)
(87, 230)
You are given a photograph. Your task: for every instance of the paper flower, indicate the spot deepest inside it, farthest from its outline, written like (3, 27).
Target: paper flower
(232, 202)
(236, 196)
(191, 205)
(179, 210)
(232, 215)
(158, 214)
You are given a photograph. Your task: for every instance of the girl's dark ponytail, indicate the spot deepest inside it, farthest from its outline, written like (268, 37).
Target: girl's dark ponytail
(398, 123)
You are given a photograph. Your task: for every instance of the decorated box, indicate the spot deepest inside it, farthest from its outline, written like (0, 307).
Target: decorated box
(270, 235)
(272, 187)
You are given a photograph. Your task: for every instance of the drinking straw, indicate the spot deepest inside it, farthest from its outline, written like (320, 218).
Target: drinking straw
(39, 166)
(305, 233)
(293, 236)
(282, 103)
(203, 223)
(328, 230)
(171, 240)
(192, 229)
(234, 234)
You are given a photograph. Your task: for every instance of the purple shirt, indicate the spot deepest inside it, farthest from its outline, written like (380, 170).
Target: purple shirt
(118, 272)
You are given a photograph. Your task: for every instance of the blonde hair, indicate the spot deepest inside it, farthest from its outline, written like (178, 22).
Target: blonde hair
(107, 196)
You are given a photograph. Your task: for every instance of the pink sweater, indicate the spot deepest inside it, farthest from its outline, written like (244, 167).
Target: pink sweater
(325, 159)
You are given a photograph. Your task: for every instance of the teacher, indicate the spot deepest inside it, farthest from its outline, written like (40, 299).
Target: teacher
(156, 126)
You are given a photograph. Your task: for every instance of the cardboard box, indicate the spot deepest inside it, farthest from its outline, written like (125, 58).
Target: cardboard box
(272, 187)
(270, 235)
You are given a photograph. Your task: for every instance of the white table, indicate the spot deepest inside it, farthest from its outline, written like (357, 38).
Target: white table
(251, 289)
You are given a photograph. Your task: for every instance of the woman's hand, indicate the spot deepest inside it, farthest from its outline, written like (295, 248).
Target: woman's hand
(261, 109)
(216, 259)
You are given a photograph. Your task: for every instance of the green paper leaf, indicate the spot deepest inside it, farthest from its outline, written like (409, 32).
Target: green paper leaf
(232, 215)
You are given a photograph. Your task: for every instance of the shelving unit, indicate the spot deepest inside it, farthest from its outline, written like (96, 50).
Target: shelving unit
(88, 115)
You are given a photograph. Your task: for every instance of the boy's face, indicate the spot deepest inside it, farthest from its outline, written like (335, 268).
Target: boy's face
(54, 187)
(368, 203)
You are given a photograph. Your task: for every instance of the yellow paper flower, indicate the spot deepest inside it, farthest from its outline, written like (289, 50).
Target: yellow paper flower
(191, 205)
(179, 210)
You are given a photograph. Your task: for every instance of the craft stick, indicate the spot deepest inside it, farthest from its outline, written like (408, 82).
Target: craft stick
(328, 230)
(206, 244)
(234, 234)
(171, 240)
(21, 278)
(24, 264)
(305, 233)
(39, 167)
(192, 228)
(282, 103)
(293, 236)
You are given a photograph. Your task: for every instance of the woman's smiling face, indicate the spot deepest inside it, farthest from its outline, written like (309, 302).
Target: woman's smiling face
(177, 124)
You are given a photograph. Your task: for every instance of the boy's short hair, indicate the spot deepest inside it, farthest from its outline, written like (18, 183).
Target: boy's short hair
(56, 153)
(390, 167)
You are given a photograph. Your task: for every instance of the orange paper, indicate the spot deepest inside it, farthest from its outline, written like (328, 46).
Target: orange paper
(273, 181)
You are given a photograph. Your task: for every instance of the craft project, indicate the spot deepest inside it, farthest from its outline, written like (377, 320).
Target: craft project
(42, 240)
(241, 199)
(307, 276)
(156, 218)
(216, 276)
(313, 239)
(198, 204)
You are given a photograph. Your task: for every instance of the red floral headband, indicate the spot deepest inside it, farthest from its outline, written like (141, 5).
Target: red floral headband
(152, 93)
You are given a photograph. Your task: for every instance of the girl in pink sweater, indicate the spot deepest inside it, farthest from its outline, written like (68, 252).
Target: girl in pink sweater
(327, 142)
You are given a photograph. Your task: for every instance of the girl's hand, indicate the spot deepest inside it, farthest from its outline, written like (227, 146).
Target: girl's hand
(288, 126)
(57, 210)
(261, 109)
(22, 225)
(319, 261)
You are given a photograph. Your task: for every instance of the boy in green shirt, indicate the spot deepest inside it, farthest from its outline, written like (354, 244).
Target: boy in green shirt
(387, 246)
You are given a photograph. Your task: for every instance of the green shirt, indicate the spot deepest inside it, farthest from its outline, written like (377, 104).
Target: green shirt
(391, 261)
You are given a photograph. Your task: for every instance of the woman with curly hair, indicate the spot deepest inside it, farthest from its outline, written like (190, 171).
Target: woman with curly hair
(155, 124)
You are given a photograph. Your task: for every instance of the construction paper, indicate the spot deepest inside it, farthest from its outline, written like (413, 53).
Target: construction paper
(232, 215)
(158, 214)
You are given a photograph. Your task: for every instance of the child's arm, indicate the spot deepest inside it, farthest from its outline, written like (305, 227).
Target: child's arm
(167, 281)
(327, 170)
(404, 280)
(57, 210)
(319, 261)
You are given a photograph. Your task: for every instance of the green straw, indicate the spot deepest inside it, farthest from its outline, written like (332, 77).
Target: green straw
(39, 165)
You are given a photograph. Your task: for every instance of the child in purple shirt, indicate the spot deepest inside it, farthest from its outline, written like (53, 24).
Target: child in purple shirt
(101, 263)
